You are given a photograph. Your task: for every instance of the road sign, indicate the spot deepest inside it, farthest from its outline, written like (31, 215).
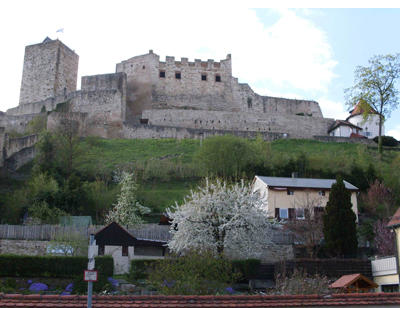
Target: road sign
(90, 276)
(90, 265)
(91, 251)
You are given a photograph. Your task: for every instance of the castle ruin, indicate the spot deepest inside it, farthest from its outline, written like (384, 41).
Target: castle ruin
(150, 98)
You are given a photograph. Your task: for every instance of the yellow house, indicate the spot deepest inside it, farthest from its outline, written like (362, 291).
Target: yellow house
(287, 198)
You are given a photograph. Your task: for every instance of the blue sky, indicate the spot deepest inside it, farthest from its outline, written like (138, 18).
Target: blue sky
(295, 53)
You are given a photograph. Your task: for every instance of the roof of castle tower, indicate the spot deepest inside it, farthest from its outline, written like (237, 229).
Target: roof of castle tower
(358, 110)
(46, 40)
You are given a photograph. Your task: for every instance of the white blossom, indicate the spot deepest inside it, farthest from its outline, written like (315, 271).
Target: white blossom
(223, 219)
(128, 211)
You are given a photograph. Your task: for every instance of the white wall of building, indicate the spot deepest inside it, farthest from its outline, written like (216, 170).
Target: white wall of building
(370, 126)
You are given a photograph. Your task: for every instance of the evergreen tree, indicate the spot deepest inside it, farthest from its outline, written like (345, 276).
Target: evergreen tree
(340, 222)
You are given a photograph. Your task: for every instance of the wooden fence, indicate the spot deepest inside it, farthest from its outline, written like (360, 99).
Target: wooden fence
(49, 232)
(146, 231)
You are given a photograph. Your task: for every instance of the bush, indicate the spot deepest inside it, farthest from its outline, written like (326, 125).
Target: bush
(247, 268)
(51, 266)
(193, 274)
(140, 269)
(387, 141)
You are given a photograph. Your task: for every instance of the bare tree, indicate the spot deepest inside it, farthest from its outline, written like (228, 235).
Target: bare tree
(307, 229)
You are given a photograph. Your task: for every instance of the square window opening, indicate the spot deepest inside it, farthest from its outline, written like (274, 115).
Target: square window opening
(283, 213)
(290, 192)
(218, 78)
(162, 74)
(204, 77)
(177, 75)
(125, 251)
(322, 193)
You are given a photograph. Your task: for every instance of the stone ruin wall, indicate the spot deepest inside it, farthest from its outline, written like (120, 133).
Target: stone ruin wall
(294, 125)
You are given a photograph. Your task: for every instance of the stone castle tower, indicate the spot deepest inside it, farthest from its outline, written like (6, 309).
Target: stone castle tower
(50, 70)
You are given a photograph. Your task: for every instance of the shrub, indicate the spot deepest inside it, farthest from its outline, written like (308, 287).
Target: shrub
(51, 266)
(192, 274)
(140, 269)
(247, 268)
(387, 141)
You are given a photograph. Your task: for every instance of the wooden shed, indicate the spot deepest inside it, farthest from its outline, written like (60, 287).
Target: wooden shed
(353, 283)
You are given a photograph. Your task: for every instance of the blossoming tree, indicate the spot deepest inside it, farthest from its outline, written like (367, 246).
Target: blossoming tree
(128, 211)
(224, 219)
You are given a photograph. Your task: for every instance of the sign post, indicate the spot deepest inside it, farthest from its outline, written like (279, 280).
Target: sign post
(89, 274)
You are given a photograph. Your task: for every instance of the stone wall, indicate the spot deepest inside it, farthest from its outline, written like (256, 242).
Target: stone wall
(16, 151)
(294, 125)
(151, 131)
(335, 139)
(16, 123)
(23, 247)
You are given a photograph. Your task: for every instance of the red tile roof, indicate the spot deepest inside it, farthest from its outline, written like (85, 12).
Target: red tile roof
(335, 300)
(395, 220)
(348, 279)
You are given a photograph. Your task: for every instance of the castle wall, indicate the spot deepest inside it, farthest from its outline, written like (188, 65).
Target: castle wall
(16, 123)
(294, 125)
(50, 69)
(150, 131)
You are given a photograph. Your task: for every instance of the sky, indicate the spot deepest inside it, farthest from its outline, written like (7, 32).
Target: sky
(303, 53)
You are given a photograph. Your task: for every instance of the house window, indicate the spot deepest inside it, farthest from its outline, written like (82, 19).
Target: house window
(283, 213)
(101, 250)
(217, 78)
(290, 192)
(321, 193)
(162, 73)
(177, 75)
(124, 251)
(390, 288)
(299, 213)
(204, 77)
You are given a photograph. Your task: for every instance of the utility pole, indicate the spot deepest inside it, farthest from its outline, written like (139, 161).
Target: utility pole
(90, 267)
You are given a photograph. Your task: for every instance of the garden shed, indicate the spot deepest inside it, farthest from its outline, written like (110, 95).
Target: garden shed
(353, 283)
(118, 242)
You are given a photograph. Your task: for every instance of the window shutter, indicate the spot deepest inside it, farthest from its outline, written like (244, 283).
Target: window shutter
(277, 213)
(291, 213)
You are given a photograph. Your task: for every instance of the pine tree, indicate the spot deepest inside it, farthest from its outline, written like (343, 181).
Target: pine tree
(340, 222)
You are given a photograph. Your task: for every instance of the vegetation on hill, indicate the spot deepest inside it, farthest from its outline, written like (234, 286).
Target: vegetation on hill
(166, 170)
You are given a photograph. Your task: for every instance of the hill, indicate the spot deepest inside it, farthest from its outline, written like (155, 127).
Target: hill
(167, 169)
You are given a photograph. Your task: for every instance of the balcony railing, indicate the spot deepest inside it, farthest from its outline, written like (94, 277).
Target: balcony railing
(384, 266)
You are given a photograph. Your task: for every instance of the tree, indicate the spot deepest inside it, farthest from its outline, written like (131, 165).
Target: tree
(308, 231)
(228, 156)
(128, 211)
(374, 88)
(340, 222)
(222, 219)
(379, 200)
(384, 241)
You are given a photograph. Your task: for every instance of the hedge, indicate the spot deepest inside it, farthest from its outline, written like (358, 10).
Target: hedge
(51, 266)
(139, 268)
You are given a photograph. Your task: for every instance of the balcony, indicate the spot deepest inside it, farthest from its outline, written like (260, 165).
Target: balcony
(384, 266)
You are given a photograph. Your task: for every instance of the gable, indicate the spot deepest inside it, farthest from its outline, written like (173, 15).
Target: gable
(114, 235)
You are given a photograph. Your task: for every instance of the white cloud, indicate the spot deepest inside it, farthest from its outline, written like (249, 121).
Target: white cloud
(332, 109)
(291, 54)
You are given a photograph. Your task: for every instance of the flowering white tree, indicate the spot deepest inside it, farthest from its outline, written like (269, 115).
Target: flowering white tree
(223, 219)
(128, 211)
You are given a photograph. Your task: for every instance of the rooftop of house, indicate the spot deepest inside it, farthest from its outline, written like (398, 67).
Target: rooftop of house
(395, 220)
(350, 279)
(303, 183)
(227, 301)
(342, 123)
(359, 110)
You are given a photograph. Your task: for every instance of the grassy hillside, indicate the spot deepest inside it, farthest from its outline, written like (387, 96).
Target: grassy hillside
(167, 169)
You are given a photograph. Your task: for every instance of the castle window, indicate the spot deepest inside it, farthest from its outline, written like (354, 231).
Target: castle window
(177, 75)
(264, 108)
(217, 78)
(162, 73)
(204, 77)
(144, 67)
(249, 103)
